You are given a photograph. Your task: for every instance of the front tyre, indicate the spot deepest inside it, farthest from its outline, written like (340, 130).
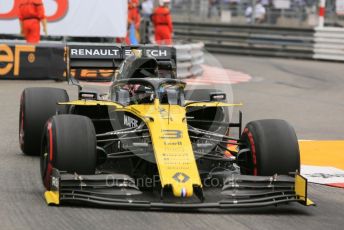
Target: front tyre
(273, 146)
(37, 105)
(69, 144)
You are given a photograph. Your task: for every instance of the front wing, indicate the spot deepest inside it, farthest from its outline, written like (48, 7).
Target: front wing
(116, 190)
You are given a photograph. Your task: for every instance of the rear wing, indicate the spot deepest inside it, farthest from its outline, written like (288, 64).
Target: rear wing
(108, 57)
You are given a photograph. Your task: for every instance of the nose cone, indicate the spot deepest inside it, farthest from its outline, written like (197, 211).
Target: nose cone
(182, 190)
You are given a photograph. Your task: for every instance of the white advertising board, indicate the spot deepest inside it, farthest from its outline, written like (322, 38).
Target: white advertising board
(340, 7)
(84, 18)
(281, 4)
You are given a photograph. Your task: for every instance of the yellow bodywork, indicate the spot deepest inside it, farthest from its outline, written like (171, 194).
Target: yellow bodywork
(92, 103)
(301, 190)
(171, 143)
(52, 197)
(172, 147)
(211, 104)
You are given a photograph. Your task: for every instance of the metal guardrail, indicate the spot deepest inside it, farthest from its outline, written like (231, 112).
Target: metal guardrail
(249, 40)
(297, 14)
(329, 44)
(319, 43)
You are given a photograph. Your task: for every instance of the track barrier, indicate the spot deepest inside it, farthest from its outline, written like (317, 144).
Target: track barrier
(47, 60)
(319, 43)
(32, 62)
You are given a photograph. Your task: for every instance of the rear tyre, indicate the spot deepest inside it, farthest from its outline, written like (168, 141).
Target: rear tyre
(37, 105)
(69, 144)
(274, 148)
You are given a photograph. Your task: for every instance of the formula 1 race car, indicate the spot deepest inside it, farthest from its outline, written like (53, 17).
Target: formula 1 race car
(151, 144)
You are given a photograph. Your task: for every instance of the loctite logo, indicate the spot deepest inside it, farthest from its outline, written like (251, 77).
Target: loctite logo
(60, 13)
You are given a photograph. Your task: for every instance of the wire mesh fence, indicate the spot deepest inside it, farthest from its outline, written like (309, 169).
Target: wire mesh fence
(291, 13)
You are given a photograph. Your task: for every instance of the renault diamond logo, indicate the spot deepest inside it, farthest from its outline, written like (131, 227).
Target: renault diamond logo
(181, 177)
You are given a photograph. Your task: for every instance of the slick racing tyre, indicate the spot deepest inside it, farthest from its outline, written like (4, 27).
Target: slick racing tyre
(273, 149)
(69, 144)
(37, 105)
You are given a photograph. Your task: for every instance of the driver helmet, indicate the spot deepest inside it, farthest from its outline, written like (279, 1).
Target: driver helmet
(142, 94)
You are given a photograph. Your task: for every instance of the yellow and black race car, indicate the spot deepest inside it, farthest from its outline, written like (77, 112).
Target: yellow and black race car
(151, 144)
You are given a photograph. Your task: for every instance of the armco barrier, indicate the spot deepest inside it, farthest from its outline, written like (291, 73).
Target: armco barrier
(47, 60)
(249, 40)
(329, 44)
(320, 43)
(22, 61)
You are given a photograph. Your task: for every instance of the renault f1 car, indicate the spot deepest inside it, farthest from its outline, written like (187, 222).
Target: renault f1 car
(151, 144)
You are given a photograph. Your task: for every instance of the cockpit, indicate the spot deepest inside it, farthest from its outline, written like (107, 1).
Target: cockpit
(145, 91)
(142, 79)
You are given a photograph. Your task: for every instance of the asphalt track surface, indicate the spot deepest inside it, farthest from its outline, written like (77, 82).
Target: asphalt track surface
(308, 94)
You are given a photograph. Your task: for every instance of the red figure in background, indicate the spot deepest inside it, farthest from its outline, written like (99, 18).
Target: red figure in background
(133, 18)
(162, 21)
(31, 14)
